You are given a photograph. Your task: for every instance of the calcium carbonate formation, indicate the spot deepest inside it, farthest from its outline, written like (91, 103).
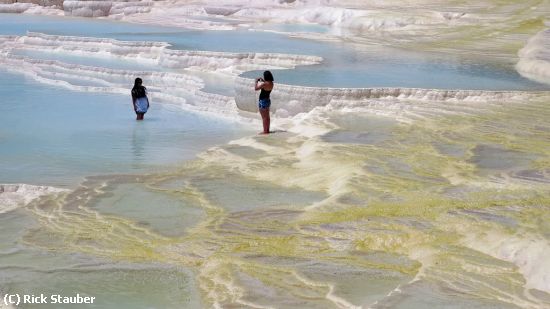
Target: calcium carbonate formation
(181, 87)
(409, 198)
(500, 29)
(13, 196)
(534, 58)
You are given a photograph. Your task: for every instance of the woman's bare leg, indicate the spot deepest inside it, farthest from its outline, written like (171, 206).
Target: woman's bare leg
(265, 119)
(268, 121)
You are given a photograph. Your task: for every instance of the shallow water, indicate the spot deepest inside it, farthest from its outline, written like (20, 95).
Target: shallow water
(32, 270)
(56, 137)
(387, 67)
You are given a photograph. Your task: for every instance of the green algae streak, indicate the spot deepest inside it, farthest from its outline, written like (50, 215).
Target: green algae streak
(396, 206)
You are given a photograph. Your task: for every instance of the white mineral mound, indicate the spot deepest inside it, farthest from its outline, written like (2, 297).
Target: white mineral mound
(13, 196)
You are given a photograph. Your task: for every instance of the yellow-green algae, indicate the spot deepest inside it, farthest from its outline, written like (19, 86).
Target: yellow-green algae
(402, 197)
(492, 28)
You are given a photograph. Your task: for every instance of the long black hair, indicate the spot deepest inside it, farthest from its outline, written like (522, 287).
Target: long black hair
(139, 90)
(268, 76)
(137, 83)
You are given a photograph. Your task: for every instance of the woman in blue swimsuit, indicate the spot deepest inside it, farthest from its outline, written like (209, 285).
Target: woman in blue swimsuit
(265, 85)
(139, 99)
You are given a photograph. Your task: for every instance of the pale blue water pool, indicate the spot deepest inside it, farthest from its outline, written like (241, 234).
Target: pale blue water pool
(53, 136)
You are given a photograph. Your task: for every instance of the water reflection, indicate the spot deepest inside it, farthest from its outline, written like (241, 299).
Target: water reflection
(139, 139)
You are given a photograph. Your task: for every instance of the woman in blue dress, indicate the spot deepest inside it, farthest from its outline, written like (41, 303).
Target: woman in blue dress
(265, 85)
(139, 99)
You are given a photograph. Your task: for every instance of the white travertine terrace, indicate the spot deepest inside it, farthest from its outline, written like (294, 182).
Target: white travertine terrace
(13, 196)
(489, 27)
(298, 99)
(291, 100)
(159, 53)
(175, 87)
(534, 60)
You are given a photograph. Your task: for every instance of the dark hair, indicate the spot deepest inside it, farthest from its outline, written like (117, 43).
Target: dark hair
(268, 76)
(137, 82)
(139, 91)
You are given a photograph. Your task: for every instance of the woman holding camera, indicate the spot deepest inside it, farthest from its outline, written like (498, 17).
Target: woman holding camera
(264, 84)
